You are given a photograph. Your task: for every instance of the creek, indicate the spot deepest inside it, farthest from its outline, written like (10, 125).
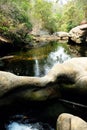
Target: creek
(37, 62)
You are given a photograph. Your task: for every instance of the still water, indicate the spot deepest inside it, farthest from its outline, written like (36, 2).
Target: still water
(38, 61)
(35, 62)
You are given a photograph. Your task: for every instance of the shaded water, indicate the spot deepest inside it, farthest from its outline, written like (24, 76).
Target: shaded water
(37, 62)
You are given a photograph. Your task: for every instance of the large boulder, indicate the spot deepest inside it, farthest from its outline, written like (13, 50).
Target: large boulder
(79, 34)
(69, 76)
(70, 122)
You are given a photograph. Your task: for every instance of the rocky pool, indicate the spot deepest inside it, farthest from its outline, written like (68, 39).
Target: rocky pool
(37, 62)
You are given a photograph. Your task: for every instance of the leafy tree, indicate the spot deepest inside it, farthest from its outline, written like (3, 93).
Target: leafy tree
(83, 6)
(72, 15)
(43, 13)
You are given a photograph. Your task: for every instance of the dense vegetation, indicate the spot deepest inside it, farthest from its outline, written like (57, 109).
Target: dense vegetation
(14, 19)
(19, 17)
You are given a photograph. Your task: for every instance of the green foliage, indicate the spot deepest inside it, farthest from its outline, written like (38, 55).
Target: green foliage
(83, 6)
(43, 12)
(15, 20)
(63, 19)
(72, 16)
(17, 17)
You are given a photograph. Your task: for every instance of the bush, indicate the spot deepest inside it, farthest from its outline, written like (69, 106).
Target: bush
(15, 23)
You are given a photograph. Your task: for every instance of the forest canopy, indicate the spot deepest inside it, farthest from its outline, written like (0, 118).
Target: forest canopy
(19, 17)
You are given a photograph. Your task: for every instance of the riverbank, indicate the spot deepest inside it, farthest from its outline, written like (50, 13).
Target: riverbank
(77, 35)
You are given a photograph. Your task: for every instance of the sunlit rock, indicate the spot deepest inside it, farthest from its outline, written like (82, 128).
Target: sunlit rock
(70, 122)
(62, 35)
(79, 34)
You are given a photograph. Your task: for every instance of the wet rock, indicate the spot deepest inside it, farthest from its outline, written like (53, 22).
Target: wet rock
(70, 76)
(70, 122)
(79, 34)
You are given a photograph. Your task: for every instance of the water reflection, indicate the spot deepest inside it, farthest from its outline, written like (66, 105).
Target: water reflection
(37, 62)
(58, 56)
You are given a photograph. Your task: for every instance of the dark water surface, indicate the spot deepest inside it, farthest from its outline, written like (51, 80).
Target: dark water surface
(37, 62)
